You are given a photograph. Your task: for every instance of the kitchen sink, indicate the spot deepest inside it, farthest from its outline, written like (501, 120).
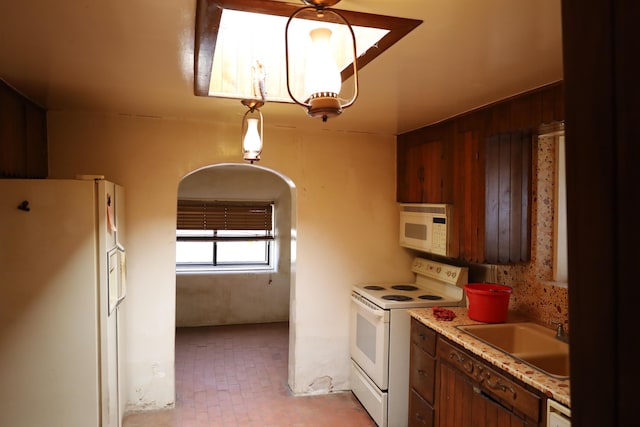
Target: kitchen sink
(533, 344)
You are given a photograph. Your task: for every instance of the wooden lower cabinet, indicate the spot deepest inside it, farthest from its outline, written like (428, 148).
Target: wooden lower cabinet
(420, 411)
(463, 404)
(422, 375)
(452, 387)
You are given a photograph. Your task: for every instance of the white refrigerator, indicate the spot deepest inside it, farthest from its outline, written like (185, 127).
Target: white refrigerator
(62, 278)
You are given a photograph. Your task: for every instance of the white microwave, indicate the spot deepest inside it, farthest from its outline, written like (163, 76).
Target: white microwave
(426, 227)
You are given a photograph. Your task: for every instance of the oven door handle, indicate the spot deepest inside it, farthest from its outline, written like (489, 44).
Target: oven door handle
(368, 307)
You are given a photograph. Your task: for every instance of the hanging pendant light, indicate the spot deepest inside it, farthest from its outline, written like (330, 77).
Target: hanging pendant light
(251, 132)
(322, 76)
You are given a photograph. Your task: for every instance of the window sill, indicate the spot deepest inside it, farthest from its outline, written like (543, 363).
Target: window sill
(223, 270)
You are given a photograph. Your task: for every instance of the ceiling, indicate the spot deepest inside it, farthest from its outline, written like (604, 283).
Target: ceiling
(135, 57)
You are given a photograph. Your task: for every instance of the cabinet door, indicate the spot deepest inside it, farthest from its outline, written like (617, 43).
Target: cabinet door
(507, 197)
(23, 136)
(422, 375)
(420, 411)
(462, 404)
(12, 134)
(434, 171)
(35, 141)
(410, 184)
(468, 197)
(424, 170)
(423, 337)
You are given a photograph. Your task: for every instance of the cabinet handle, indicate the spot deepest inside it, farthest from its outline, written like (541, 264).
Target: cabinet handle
(420, 419)
(423, 373)
(478, 372)
(423, 337)
(498, 385)
(467, 365)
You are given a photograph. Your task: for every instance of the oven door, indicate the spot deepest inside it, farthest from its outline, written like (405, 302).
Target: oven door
(369, 339)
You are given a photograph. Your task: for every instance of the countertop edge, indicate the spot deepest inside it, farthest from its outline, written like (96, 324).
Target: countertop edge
(554, 388)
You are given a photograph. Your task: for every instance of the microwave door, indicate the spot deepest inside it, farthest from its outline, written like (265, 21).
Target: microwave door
(415, 231)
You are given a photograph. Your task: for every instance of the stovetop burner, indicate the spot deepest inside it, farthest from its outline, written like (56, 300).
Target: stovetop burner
(435, 284)
(430, 297)
(404, 287)
(397, 297)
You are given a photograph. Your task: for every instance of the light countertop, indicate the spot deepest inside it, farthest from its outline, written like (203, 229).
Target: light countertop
(554, 388)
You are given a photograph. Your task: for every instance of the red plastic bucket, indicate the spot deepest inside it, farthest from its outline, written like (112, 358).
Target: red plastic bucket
(487, 302)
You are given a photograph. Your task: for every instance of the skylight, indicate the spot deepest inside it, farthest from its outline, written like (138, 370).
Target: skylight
(240, 46)
(244, 59)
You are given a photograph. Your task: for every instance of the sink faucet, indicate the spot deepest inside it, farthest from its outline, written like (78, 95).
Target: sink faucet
(560, 333)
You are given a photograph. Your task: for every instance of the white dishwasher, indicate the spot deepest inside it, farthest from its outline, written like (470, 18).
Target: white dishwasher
(558, 415)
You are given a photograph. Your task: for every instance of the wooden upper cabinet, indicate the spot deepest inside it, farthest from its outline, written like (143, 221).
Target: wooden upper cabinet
(433, 171)
(410, 172)
(468, 197)
(507, 198)
(480, 162)
(424, 170)
(23, 136)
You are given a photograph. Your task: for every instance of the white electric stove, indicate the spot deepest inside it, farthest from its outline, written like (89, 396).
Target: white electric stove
(380, 335)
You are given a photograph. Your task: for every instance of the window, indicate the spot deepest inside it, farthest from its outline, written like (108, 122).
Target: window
(560, 264)
(224, 235)
(552, 135)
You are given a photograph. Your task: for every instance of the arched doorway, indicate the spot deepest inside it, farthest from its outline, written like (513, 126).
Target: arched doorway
(206, 298)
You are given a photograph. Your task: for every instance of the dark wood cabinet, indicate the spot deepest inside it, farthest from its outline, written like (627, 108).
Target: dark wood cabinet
(422, 375)
(507, 237)
(468, 196)
(464, 405)
(411, 174)
(420, 411)
(425, 175)
(466, 380)
(455, 162)
(451, 387)
(23, 136)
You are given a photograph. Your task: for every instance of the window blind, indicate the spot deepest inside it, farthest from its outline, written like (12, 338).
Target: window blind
(217, 215)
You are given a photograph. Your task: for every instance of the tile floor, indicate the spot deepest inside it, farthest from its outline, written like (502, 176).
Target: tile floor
(236, 376)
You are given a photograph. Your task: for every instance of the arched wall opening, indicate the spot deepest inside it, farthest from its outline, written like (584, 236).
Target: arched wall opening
(205, 298)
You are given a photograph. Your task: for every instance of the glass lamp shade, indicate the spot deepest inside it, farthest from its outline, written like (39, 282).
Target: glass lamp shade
(252, 142)
(322, 76)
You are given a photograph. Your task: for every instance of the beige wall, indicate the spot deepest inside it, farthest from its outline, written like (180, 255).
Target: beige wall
(346, 231)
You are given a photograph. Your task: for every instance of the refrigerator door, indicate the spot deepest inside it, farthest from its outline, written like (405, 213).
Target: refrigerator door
(49, 323)
(122, 285)
(121, 242)
(112, 212)
(109, 282)
(59, 355)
